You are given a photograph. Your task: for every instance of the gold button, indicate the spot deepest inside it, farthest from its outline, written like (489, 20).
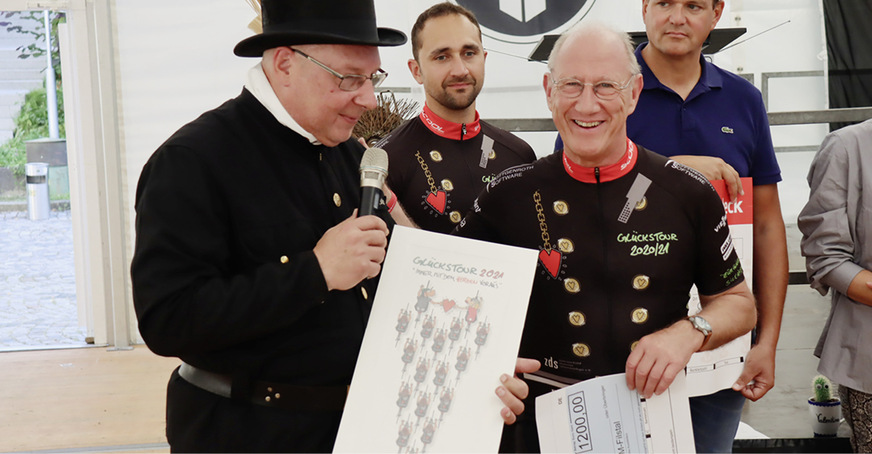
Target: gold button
(337, 200)
(576, 318)
(641, 282)
(640, 315)
(278, 395)
(633, 345)
(565, 245)
(267, 398)
(365, 295)
(436, 156)
(581, 350)
(284, 259)
(492, 155)
(561, 207)
(455, 217)
(571, 285)
(447, 185)
(642, 204)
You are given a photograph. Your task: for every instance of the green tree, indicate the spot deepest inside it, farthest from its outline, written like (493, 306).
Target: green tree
(32, 120)
(31, 123)
(36, 48)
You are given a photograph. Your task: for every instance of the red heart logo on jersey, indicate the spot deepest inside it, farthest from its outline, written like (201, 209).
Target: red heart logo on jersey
(551, 261)
(448, 304)
(437, 201)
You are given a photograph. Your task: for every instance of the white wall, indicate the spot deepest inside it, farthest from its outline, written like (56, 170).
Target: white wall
(175, 61)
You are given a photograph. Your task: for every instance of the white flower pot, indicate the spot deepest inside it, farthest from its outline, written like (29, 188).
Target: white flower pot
(826, 417)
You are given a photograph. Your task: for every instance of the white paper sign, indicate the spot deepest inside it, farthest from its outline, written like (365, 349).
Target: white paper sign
(445, 324)
(713, 370)
(603, 415)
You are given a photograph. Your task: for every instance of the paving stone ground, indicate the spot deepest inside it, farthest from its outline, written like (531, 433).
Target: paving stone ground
(37, 283)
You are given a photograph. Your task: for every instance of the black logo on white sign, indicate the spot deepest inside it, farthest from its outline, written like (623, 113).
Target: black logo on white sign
(525, 21)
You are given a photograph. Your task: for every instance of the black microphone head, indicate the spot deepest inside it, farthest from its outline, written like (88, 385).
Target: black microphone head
(374, 167)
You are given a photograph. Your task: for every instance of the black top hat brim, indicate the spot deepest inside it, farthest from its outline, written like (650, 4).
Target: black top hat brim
(254, 46)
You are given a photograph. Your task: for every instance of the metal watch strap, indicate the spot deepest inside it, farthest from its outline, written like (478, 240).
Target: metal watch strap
(706, 333)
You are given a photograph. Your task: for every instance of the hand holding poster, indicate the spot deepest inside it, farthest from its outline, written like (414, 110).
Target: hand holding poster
(446, 323)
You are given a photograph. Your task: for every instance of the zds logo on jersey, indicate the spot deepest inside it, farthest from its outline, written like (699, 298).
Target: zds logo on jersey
(525, 21)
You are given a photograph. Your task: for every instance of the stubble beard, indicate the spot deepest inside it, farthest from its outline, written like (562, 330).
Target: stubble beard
(460, 101)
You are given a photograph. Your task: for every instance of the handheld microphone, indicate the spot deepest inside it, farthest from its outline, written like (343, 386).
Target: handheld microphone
(373, 171)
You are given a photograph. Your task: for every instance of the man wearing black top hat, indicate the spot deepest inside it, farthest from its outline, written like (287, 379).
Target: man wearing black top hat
(250, 263)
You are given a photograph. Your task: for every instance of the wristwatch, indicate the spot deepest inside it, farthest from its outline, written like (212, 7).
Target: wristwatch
(702, 326)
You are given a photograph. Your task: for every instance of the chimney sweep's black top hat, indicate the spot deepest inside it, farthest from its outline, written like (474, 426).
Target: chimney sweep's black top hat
(287, 22)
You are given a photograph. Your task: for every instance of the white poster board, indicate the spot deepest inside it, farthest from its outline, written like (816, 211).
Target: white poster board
(445, 324)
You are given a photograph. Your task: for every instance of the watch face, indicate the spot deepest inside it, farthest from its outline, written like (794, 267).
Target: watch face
(701, 324)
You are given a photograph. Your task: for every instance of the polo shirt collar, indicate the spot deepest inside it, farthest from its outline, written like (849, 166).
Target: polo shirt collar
(709, 78)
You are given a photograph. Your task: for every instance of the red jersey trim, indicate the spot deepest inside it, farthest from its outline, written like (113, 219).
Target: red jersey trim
(448, 129)
(392, 201)
(608, 173)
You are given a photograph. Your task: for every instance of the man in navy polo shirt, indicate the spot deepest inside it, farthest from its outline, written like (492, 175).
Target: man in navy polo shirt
(693, 108)
(715, 122)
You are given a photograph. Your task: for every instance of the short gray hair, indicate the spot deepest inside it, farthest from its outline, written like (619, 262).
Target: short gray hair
(596, 27)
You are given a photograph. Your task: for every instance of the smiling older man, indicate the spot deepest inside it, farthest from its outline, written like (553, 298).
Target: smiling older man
(623, 234)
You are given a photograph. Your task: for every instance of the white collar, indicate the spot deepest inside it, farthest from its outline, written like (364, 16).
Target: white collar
(259, 86)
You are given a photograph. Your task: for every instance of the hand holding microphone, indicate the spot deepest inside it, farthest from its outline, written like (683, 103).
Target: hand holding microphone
(354, 249)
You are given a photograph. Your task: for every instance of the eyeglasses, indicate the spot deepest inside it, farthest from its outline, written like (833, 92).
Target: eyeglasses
(349, 82)
(604, 89)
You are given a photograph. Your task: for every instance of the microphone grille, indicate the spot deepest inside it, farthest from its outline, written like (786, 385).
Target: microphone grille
(374, 158)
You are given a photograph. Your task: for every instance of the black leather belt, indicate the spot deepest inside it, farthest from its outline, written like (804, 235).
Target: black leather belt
(279, 395)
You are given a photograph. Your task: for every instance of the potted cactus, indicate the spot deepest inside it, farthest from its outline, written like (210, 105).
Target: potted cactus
(826, 410)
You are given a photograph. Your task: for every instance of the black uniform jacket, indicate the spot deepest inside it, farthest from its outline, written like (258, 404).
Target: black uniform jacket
(228, 211)
(457, 169)
(617, 258)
